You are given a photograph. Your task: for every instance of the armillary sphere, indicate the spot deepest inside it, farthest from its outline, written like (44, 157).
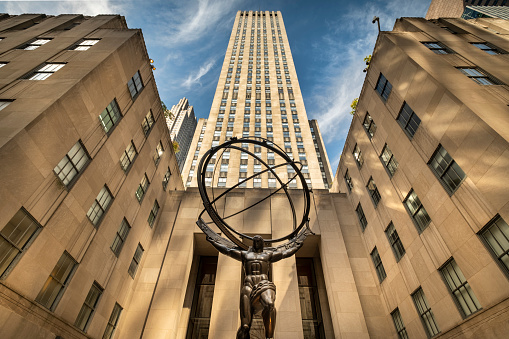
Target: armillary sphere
(226, 229)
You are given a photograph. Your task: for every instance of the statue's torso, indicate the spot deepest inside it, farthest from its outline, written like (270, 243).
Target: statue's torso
(256, 267)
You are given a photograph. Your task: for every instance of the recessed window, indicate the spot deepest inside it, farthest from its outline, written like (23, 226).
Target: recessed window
(44, 72)
(488, 48)
(379, 267)
(72, 164)
(383, 87)
(312, 323)
(84, 45)
(128, 157)
(120, 238)
(166, 178)
(89, 306)
(153, 214)
(496, 238)
(390, 163)
(417, 211)
(2, 64)
(357, 154)
(361, 217)
(100, 205)
(437, 47)
(424, 310)
(373, 192)
(135, 84)
(4, 103)
(59, 278)
(15, 238)
(110, 116)
(348, 181)
(147, 123)
(142, 188)
(158, 153)
(135, 262)
(446, 169)
(395, 241)
(479, 76)
(369, 125)
(408, 120)
(112, 322)
(460, 289)
(398, 323)
(34, 44)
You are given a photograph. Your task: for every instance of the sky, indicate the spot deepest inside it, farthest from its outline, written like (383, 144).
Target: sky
(188, 39)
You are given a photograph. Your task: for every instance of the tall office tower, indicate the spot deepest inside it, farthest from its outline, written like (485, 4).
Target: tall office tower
(182, 125)
(85, 166)
(425, 168)
(321, 153)
(257, 94)
(468, 9)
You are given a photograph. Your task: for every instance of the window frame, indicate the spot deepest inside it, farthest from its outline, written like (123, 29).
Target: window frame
(383, 88)
(125, 155)
(378, 264)
(148, 123)
(391, 163)
(369, 125)
(113, 321)
(439, 48)
(449, 166)
(79, 171)
(413, 118)
(135, 85)
(136, 260)
(490, 47)
(122, 234)
(426, 310)
(166, 178)
(142, 187)
(505, 252)
(361, 216)
(357, 155)
(90, 307)
(348, 181)
(153, 214)
(113, 119)
(158, 153)
(43, 72)
(489, 79)
(103, 209)
(401, 329)
(420, 228)
(394, 241)
(79, 46)
(373, 193)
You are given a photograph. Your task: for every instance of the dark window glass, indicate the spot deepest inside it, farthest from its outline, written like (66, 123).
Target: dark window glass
(395, 241)
(424, 310)
(88, 308)
(417, 211)
(100, 205)
(460, 289)
(488, 48)
(147, 123)
(309, 300)
(72, 164)
(120, 238)
(112, 322)
(361, 216)
(136, 261)
(369, 125)
(135, 84)
(348, 180)
(373, 192)
(110, 116)
(158, 153)
(153, 214)
(438, 47)
(479, 76)
(398, 323)
(357, 154)
(142, 188)
(408, 120)
(496, 237)
(379, 267)
(446, 169)
(383, 87)
(390, 163)
(128, 156)
(166, 178)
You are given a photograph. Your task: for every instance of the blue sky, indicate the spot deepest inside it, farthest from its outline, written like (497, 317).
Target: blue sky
(188, 39)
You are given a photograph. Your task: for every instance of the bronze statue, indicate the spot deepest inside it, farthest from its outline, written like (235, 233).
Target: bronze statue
(258, 293)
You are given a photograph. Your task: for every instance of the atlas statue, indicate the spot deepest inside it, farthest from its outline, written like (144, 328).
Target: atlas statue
(258, 293)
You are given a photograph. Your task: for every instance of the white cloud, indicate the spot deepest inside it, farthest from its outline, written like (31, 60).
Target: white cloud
(90, 7)
(194, 78)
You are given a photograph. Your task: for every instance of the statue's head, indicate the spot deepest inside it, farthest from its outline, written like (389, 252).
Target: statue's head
(257, 243)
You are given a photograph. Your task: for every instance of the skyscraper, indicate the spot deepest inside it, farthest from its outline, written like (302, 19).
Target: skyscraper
(182, 125)
(258, 94)
(468, 9)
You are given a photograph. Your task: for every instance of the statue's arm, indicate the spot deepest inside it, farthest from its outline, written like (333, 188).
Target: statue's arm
(234, 253)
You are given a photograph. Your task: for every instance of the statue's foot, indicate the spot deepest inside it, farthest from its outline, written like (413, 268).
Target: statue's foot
(243, 332)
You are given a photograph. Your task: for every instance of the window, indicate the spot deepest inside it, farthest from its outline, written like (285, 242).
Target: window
(361, 216)
(147, 123)
(34, 44)
(398, 323)
(15, 238)
(408, 120)
(127, 158)
(112, 322)
(84, 45)
(357, 154)
(479, 76)
(142, 188)
(99, 206)
(4, 103)
(427, 317)
(120, 238)
(73, 162)
(153, 214)
(59, 278)
(496, 237)
(44, 72)
(348, 180)
(135, 84)
(201, 309)
(417, 211)
(460, 289)
(395, 241)
(136, 261)
(166, 178)
(110, 116)
(309, 300)
(373, 192)
(383, 87)
(369, 125)
(379, 267)
(488, 48)
(446, 169)
(158, 153)
(89, 306)
(2, 64)
(438, 47)
(390, 163)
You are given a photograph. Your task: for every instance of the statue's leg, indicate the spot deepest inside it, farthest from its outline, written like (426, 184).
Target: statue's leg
(246, 316)
(269, 312)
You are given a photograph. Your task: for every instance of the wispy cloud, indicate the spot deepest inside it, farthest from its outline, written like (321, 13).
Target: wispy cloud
(194, 78)
(90, 7)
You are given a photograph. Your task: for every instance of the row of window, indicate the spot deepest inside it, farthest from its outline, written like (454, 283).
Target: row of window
(80, 45)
